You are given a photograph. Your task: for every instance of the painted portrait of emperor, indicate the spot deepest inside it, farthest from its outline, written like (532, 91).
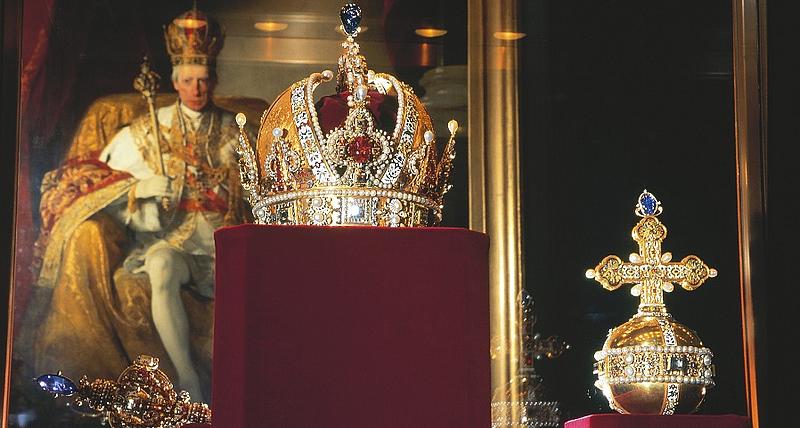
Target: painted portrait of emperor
(126, 243)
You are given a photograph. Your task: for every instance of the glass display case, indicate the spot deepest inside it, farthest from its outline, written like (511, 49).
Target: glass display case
(567, 110)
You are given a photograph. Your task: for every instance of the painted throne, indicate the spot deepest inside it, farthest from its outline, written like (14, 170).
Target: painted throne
(98, 319)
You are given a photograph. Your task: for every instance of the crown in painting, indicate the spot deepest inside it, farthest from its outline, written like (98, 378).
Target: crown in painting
(366, 155)
(193, 38)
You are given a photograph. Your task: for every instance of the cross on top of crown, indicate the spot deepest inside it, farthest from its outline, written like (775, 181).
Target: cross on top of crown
(651, 271)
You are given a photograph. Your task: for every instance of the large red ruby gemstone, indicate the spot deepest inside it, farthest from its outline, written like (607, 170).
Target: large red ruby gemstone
(360, 149)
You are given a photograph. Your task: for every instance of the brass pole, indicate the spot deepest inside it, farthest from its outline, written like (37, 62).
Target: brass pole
(494, 184)
(749, 82)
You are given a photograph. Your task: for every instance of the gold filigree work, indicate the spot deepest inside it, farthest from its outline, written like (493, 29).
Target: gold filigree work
(361, 174)
(193, 39)
(652, 364)
(142, 397)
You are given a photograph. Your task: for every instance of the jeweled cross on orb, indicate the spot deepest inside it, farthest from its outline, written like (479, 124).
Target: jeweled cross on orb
(651, 271)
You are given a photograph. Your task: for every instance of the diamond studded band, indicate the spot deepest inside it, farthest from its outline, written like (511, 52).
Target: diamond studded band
(672, 364)
(348, 206)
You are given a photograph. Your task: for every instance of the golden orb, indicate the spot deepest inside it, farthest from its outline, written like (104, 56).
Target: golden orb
(654, 365)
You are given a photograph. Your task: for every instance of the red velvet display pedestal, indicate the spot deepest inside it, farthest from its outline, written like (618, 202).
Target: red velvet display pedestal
(351, 327)
(615, 420)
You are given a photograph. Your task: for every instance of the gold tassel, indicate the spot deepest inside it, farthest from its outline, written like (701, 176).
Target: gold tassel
(133, 204)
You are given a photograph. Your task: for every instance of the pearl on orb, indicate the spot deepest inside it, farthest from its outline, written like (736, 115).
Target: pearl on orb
(277, 132)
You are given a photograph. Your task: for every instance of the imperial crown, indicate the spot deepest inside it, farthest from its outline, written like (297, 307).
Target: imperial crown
(193, 38)
(364, 156)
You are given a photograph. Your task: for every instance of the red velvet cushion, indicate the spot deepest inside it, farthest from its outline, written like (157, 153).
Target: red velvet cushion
(351, 327)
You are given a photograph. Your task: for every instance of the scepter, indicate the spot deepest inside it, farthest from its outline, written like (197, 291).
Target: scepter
(146, 83)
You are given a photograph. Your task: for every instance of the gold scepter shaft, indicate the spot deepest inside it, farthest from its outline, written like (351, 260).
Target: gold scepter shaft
(146, 83)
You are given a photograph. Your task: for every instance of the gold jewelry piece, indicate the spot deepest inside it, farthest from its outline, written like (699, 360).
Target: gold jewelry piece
(652, 364)
(356, 173)
(142, 397)
(522, 402)
(146, 83)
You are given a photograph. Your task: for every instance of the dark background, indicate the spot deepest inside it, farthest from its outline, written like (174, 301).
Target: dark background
(783, 135)
(617, 96)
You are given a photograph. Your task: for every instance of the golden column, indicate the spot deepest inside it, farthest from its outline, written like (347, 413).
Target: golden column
(494, 182)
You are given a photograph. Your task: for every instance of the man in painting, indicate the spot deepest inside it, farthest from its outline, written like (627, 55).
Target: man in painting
(141, 214)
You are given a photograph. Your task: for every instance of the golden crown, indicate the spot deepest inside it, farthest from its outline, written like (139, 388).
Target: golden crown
(193, 38)
(336, 166)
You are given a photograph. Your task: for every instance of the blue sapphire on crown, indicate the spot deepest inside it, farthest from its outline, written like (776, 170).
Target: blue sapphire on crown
(351, 18)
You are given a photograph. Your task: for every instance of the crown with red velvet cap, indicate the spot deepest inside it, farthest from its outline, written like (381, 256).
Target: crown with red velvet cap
(366, 155)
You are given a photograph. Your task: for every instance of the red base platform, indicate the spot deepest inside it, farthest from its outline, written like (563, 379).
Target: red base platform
(615, 420)
(351, 327)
